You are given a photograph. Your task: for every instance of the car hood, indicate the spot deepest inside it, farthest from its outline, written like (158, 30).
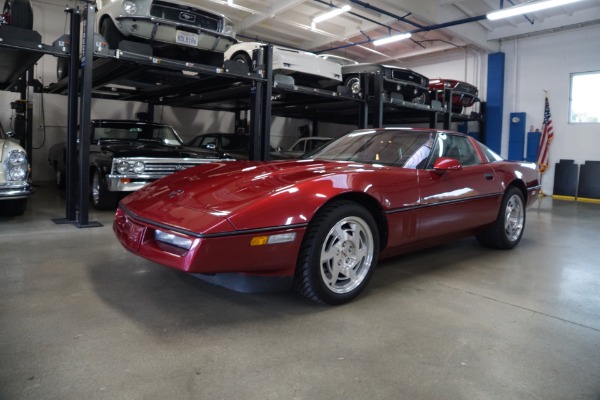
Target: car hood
(151, 149)
(250, 194)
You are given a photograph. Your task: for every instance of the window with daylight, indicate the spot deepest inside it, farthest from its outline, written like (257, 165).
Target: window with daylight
(584, 108)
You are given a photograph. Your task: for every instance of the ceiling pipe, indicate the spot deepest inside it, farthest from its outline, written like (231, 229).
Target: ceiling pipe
(369, 20)
(512, 3)
(389, 14)
(422, 29)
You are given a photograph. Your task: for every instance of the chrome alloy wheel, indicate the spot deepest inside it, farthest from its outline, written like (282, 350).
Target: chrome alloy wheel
(95, 188)
(514, 218)
(346, 255)
(354, 85)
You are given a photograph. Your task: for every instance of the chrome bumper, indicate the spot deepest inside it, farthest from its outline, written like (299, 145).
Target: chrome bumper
(163, 30)
(20, 191)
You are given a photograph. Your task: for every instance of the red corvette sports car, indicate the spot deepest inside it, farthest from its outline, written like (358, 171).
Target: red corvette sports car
(463, 94)
(324, 221)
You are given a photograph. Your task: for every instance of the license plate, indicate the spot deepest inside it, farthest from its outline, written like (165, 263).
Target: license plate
(187, 38)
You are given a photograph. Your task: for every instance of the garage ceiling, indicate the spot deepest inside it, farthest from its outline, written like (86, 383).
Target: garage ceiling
(288, 22)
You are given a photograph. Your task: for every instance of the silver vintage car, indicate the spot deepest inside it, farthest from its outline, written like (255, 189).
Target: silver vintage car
(15, 184)
(161, 23)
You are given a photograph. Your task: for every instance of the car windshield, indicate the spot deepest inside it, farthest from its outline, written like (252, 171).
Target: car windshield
(144, 132)
(408, 149)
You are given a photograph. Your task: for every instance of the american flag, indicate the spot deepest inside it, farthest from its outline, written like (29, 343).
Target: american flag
(547, 135)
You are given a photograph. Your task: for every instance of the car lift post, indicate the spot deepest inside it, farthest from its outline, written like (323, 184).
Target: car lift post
(363, 116)
(85, 117)
(447, 108)
(71, 156)
(378, 100)
(72, 108)
(260, 109)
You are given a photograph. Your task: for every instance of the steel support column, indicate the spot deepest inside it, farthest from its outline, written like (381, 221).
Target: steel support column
(85, 119)
(378, 94)
(260, 127)
(73, 108)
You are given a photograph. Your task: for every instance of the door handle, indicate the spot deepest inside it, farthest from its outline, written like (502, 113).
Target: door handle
(488, 177)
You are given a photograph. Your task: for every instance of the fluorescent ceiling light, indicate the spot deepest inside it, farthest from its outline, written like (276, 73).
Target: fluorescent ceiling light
(331, 14)
(391, 39)
(527, 8)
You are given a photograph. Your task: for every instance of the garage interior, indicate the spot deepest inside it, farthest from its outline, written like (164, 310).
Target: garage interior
(82, 317)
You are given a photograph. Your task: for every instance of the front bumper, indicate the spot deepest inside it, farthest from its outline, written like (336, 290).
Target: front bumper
(289, 62)
(163, 30)
(229, 252)
(120, 183)
(16, 190)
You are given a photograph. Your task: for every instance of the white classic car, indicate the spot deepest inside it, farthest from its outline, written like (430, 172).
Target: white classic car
(171, 22)
(305, 67)
(15, 185)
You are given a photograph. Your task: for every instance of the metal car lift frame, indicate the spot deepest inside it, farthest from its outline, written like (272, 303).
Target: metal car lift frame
(262, 94)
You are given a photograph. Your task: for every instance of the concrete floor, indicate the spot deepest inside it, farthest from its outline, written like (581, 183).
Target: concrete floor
(81, 318)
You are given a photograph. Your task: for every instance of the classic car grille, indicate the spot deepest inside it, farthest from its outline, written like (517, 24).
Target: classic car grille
(410, 76)
(159, 167)
(167, 168)
(466, 88)
(186, 15)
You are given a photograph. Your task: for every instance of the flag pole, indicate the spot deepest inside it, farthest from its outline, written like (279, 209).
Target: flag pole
(543, 158)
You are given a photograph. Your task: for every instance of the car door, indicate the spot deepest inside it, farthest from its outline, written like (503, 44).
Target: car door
(457, 200)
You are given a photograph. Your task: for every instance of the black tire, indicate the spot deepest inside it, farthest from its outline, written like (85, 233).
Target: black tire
(349, 263)
(20, 13)
(242, 58)
(423, 98)
(110, 33)
(62, 68)
(353, 83)
(101, 198)
(13, 208)
(506, 232)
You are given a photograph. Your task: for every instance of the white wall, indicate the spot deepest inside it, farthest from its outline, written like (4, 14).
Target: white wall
(545, 62)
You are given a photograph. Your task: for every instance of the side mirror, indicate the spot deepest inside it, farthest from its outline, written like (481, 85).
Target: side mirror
(279, 149)
(443, 164)
(11, 134)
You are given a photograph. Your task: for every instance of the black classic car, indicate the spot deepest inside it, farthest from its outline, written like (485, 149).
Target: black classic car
(127, 155)
(411, 85)
(235, 145)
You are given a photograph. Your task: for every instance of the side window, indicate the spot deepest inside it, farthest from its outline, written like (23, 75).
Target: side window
(467, 154)
(299, 146)
(457, 147)
(489, 153)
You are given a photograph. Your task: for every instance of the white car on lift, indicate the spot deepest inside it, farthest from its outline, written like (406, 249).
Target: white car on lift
(15, 184)
(164, 22)
(306, 68)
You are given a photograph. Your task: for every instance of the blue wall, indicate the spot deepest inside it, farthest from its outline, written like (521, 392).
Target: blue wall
(495, 101)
